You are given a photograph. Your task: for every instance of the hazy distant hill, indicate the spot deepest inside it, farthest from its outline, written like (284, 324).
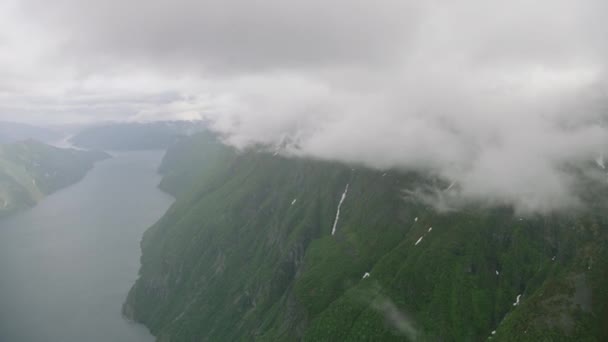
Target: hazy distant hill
(134, 136)
(30, 170)
(247, 253)
(12, 132)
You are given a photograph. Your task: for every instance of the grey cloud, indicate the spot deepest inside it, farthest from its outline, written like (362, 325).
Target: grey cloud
(501, 148)
(232, 35)
(502, 98)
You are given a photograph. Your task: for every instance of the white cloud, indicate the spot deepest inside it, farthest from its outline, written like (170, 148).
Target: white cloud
(500, 97)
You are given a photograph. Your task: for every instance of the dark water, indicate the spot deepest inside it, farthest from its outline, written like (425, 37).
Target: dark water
(66, 265)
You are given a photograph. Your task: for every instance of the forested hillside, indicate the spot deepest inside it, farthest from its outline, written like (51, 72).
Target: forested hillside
(30, 170)
(263, 247)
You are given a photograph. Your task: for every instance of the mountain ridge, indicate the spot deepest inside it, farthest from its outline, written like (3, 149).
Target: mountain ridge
(247, 253)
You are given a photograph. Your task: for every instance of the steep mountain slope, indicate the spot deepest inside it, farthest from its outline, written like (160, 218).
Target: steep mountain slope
(247, 253)
(30, 170)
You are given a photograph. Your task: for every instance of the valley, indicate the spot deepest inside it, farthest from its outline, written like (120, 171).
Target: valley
(67, 263)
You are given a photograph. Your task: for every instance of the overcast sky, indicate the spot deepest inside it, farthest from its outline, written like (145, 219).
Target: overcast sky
(500, 96)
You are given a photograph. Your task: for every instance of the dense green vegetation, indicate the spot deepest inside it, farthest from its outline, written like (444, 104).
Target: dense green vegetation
(30, 170)
(246, 253)
(134, 136)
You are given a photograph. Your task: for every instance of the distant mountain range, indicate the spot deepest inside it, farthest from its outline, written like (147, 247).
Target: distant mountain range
(111, 136)
(134, 136)
(12, 132)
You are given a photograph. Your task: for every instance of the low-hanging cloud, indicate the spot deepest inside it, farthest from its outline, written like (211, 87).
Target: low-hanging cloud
(502, 98)
(507, 147)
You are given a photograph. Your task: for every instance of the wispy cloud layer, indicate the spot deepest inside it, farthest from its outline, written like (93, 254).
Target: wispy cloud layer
(500, 97)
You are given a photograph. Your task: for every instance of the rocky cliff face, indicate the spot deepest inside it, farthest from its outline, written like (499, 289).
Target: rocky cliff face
(247, 253)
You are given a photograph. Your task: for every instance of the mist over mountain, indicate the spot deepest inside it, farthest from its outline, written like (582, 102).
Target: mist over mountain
(262, 247)
(12, 132)
(135, 136)
(343, 170)
(500, 98)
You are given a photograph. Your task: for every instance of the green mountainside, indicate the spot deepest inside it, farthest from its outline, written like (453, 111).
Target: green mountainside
(247, 253)
(30, 170)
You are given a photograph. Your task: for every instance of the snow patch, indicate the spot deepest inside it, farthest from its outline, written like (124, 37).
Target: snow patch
(493, 332)
(553, 259)
(600, 161)
(419, 240)
(294, 201)
(366, 275)
(333, 229)
(416, 219)
(517, 300)
(430, 229)
(451, 185)
(497, 273)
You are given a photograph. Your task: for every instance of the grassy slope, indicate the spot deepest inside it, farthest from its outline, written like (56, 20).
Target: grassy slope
(30, 170)
(234, 260)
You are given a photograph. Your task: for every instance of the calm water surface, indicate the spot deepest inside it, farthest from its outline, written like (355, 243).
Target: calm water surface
(66, 265)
